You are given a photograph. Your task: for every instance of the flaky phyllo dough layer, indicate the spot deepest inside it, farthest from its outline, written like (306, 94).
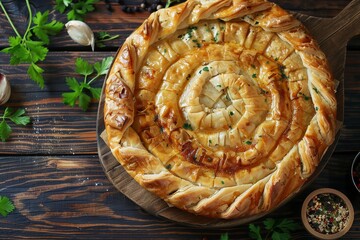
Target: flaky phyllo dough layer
(222, 108)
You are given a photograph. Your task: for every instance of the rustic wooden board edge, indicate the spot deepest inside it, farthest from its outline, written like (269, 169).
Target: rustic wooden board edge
(117, 175)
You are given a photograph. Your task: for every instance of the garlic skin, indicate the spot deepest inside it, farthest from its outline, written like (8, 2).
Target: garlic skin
(81, 33)
(5, 89)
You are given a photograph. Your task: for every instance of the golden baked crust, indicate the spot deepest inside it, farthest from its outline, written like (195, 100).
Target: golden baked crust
(222, 108)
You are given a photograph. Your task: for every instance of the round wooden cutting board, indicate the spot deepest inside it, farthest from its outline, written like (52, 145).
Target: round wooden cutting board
(331, 34)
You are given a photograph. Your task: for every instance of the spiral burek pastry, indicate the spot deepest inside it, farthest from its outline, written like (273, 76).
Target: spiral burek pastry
(223, 108)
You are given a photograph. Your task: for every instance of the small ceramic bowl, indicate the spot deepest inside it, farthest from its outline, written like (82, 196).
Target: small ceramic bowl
(327, 214)
(355, 172)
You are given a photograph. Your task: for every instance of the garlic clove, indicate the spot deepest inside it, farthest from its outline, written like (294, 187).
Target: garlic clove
(81, 33)
(5, 89)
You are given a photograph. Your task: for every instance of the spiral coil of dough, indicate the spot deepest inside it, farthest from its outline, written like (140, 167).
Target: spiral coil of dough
(222, 108)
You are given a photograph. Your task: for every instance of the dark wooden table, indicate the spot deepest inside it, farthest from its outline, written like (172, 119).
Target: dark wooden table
(50, 168)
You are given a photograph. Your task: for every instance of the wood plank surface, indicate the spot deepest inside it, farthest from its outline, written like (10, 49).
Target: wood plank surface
(118, 22)
(77, 199)
(51, 170)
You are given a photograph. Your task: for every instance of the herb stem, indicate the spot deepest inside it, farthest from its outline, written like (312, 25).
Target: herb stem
(9, 20)
(93, 79)
(30, 19)
(109, 39)
(268, 235)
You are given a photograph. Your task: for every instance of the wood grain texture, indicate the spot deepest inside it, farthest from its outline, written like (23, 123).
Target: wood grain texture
(69, 197)
(118, 22)
(56, 128)
(51, 169)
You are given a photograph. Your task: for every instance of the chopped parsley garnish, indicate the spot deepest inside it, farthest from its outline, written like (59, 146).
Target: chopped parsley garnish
(304, 96)
(276, 59)
(206, 69)
(197, 43)
(254, 75)
(168, 167)
(248, 142)
(187, 126)
(231, 113)
(316, 108)
(210, 141)
(216, 38)
(316, 90)
(218, 85)
(256, 23)
(222, 182)
(282, 73)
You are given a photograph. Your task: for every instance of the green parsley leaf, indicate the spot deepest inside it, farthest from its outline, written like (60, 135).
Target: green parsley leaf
(269, 223)
(16, 116)
(277, 229)
(83, 67)
(70, 98)
(96, 92)
(286, 225)
(42, 29)
(224, 236)
(35, 72)
(280, 236)
(102, 37)
(5, 130)
(84, 101)
(61, 5)
(76, 9)
(255, 232)
(26, 49)
(169, 2)
(103, 66)
(37, 51)
(6, 206)
(82, 92)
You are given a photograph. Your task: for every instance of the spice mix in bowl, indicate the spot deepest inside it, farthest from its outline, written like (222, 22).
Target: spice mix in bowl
(327, 213)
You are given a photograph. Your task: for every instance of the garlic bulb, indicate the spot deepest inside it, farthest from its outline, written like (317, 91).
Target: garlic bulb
(81, 33)
(5, 89)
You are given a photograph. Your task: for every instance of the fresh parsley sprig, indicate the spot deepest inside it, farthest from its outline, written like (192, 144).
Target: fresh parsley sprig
(276, 229)
(76, 9)
(16, 116)
(82, 92)
(169, 2)
(224, 236)
(6, 206)
(26, 49)
(102, 37)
